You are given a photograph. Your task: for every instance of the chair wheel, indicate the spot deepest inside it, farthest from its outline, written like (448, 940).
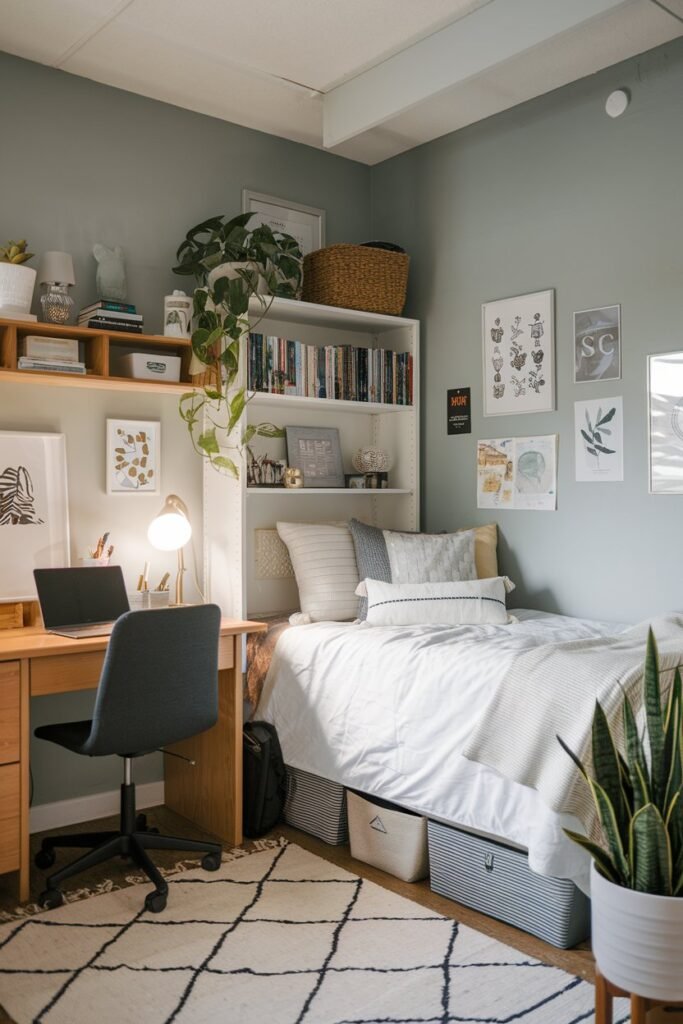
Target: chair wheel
(45, 858)
(50, 899)
(155, 901)
(211, 861)
(141, 823)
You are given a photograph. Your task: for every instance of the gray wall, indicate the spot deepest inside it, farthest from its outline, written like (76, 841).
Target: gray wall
(81, 163)
(554, 194)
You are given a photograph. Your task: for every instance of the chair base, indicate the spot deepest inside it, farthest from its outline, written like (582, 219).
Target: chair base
(133, 840)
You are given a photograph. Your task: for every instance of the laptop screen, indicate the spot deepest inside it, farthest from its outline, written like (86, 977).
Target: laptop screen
(78, 597)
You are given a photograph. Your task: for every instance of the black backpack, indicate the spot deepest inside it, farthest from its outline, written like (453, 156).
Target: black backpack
(265, 778)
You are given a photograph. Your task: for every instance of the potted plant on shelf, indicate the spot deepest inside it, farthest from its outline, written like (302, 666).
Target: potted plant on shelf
(232, 263)
(637, 869)
(16, 280)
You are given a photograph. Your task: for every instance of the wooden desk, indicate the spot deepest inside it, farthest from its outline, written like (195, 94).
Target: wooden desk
(34, 663)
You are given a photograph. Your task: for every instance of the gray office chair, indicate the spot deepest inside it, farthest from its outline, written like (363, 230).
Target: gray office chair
(159, 685)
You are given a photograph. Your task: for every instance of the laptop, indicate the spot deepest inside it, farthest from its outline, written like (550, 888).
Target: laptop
(81, 602)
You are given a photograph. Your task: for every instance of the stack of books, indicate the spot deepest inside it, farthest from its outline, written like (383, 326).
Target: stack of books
(54, 355)
(111, 316)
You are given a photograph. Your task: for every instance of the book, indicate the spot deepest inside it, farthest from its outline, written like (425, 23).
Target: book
(51, 365)
(112, 307)
(111, 314)
(104, 323)
(36, 347)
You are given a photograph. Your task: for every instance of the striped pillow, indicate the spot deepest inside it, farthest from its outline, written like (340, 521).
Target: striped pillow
(324, 563)
(471, 602)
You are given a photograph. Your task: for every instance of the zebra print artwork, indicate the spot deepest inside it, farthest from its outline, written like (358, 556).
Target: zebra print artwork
(17, 498)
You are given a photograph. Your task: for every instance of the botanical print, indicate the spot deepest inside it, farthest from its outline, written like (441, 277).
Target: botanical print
(519, 354)
(666, 423)
(517, 472)
(132, 457)
(599, 440)
(597, 344)
(17, 498)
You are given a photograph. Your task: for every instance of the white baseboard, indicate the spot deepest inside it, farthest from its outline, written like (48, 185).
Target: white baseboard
(87, 808)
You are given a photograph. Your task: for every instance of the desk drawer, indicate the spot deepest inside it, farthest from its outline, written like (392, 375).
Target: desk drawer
(9, 818)
(64, 672)
(226, 652)
(10, 688)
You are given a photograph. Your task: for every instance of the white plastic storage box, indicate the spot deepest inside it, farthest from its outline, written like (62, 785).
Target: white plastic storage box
(316, 806)
(388, 837)
(496, 879)
(145, 366)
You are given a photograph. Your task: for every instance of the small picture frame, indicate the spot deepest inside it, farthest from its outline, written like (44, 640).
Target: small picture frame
(133, 458)
(355, 481)
(316, 451)
(597, 344)
(377, 481)
(304, 223)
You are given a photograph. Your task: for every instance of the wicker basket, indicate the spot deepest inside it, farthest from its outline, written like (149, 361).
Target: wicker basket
(357, 277)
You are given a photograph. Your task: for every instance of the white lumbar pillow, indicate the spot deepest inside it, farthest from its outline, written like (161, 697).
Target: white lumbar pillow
(324, 562)
(471, 602)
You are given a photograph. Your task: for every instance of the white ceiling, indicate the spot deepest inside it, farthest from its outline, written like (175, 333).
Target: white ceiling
(300, 68)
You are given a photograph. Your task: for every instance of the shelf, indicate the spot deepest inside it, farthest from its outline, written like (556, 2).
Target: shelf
(371, 492)
(331, 404)
(89, 380)
(294, 311)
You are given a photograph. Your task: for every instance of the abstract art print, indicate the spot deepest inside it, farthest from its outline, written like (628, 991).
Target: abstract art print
(517, 473)
(599, 440)
(518, 348)
(133, 456)
(34, 511)
(597, 344)
(665, 392)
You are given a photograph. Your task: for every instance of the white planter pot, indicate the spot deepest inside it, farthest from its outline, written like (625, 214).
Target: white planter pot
(230, 270)
(638, 939)
(16, 289)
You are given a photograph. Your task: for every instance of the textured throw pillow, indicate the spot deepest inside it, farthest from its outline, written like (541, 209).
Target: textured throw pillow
(430, 557)
(371, 557)
(324, 564)
(471, 602)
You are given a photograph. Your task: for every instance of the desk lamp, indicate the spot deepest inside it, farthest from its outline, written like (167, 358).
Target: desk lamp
(170, 530)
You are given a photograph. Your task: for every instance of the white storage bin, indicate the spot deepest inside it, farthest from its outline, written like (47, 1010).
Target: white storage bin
(388, 838)
(144, 366)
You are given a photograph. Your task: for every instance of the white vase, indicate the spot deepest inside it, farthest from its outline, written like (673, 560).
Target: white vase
(231, 270)
(638, 939)
(16, 289)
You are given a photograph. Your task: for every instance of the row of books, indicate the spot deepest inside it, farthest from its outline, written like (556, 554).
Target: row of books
(111, 316)
(54, 355)
(282, 366)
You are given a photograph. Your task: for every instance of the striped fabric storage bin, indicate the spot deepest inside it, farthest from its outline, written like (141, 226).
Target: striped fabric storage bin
(496, 880)
(316, 806)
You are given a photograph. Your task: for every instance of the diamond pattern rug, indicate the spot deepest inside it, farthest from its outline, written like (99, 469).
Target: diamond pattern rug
(279, 936)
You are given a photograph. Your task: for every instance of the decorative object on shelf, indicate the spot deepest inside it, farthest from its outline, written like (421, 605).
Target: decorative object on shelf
(106, 315)
(637, 870)
(294, 478)
(517, 473)
(34, 511)
(518, 351)
(458, 411)
(665, 415)
(133, 456)
(370, 459)
(355, 481)
(357, 277)
(177, 314)
(597, 344)
(377, 481)
(304, 223)
(262, 471)
(145, 366)
(56, 272)
(316, 451)
(111, 273)
(599, 440)
(171, 530)
(16, 281)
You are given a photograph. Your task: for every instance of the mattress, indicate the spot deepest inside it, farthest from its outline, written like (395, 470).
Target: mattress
(386, 710)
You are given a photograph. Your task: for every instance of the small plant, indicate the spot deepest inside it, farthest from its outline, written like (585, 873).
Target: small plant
(15, 252)
(638, 797)
(593, 435)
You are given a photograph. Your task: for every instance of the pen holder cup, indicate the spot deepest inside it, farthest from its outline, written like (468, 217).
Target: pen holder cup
(158, 598)
(139, 600)
(94, 562)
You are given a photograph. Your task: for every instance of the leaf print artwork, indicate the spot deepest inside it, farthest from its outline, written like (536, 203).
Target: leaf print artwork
(599, 440)
(133, 456)
(17, 498)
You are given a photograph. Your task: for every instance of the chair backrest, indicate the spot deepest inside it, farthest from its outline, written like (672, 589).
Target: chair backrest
(159, 681)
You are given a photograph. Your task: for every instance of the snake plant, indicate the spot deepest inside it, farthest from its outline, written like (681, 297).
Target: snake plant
(637, 790)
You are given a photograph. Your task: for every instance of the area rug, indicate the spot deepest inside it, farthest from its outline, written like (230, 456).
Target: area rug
(280, 937)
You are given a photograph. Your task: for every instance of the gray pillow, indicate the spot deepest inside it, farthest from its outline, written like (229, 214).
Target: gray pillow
(372, 557)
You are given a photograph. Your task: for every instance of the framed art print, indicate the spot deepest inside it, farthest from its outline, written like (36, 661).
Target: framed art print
(34, 510)
(316, 451)
(304, 223)
(665, 414)
(518, 351)
(133, 456)
(597, 344)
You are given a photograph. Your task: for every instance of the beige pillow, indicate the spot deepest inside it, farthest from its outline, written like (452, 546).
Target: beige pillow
(324, 562)
(485, 550)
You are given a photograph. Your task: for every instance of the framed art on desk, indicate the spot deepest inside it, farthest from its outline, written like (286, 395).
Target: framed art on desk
(34, 510)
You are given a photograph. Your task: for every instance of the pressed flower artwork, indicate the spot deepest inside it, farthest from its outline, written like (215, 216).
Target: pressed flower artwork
(133, 448)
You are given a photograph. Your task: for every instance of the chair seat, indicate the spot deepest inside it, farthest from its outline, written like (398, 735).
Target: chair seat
(71, 735)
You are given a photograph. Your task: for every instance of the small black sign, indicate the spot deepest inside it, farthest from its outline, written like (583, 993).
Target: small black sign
(459, 411)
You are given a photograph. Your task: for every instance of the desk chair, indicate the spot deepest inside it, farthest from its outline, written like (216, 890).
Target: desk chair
(159, 685)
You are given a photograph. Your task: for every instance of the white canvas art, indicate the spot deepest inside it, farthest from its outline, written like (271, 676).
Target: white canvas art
(665, 375)
(518, 347)
(34, 511)
(133, 456)
(517, 473)
(599, 440)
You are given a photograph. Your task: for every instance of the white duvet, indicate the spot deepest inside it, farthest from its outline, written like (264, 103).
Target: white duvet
(387, 710)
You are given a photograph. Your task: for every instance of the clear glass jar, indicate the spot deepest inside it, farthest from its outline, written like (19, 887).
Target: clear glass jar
(56, 303)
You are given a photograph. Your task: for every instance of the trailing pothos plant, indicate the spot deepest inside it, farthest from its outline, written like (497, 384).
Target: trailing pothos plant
(638, 793)
(255, 260)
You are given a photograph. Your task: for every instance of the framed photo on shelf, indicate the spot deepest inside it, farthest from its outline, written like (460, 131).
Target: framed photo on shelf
(597, 344)
(665, 418)
(518, 351)
(34, 510)
(304, 223)
(316, 451)
(355, 481)
(133, 459)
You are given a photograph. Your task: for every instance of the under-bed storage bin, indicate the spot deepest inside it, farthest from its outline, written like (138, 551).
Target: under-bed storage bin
(496, 880)
(316, 806)
(388, 837)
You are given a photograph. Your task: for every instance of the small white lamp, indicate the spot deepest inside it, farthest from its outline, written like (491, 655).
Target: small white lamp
(56, 270)
(170, 530)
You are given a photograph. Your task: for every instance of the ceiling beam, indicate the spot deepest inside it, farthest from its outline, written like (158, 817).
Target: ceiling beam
(497, 32)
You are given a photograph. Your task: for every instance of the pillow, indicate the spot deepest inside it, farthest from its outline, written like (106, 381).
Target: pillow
(430, 557)
(469, 602)
(485, 550)
(324, 564)
(372, 558)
